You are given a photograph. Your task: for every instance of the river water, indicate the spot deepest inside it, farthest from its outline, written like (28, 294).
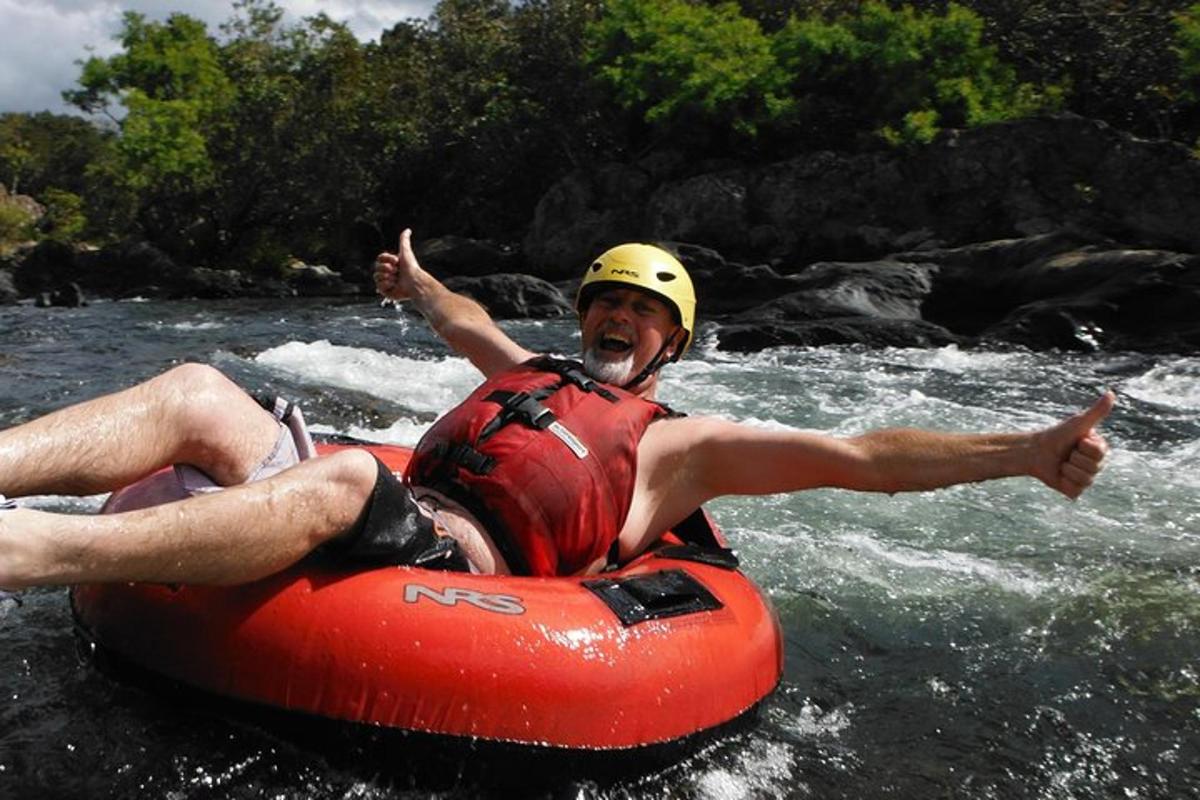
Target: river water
(987, 641)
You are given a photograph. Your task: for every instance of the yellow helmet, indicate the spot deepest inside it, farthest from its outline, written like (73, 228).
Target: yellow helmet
(651, 269)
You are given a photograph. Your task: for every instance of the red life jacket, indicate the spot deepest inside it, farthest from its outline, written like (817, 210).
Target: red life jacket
(545, 458)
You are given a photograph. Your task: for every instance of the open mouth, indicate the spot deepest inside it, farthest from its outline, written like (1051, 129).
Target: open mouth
(615, 343)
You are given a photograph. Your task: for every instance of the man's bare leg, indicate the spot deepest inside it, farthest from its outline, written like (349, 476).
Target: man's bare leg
(240, 534)
(190, 415)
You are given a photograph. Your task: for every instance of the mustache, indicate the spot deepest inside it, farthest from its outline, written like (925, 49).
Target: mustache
(618, 328)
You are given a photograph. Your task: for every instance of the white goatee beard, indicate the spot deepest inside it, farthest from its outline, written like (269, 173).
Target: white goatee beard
(605, 371)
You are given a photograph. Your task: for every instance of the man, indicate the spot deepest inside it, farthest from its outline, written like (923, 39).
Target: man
(273, 511)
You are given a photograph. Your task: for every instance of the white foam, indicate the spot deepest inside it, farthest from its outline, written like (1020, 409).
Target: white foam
(939, 563)
(419, 384)
(197, 326)
(1175, 384)
(951, 359)
(404, 432)
(815, 722)
(764, 770)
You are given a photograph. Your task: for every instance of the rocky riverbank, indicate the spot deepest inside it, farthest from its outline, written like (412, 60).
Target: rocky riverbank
(1046, 233)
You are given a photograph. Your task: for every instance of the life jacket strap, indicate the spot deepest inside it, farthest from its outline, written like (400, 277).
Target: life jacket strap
(465, 456)
(522, 406)
(572, 372)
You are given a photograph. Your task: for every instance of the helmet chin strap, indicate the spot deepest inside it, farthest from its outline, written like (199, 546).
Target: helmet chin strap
(654, 364)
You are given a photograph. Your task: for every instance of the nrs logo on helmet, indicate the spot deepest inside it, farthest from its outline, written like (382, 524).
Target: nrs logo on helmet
(650, 269)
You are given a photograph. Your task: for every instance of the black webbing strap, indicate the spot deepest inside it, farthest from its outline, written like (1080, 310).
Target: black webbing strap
(465, 456)
(572, 372)
(614, 556)
(523, 406)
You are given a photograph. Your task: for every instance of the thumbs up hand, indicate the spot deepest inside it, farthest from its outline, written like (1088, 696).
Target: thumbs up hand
(1071, 453)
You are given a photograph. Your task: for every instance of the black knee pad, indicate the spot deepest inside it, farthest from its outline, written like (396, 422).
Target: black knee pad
(392, 530)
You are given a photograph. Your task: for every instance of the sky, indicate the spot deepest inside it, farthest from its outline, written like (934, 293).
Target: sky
(42, 39)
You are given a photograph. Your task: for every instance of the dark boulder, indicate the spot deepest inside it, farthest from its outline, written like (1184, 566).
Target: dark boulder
(868, 331)
(725, 287)
(69, 295)
(46, 266)
(457, 255)
(1011, 180)
(1112, 300)
(214, 284)
(8, 288)
(310, 280)
(584, 214)
(884, 289)
(513, 296)
(876, 304)
(131, 268)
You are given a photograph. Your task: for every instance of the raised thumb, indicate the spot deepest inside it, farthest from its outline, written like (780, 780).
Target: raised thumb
(1099, 410)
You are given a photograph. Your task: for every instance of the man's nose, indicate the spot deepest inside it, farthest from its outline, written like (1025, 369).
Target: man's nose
(621, 312)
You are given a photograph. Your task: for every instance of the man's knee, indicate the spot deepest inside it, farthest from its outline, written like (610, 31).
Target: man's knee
(191, 384)
(352, 473)
(347, 482)
(219, 428)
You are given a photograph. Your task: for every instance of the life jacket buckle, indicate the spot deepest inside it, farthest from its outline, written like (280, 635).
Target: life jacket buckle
(529, 410)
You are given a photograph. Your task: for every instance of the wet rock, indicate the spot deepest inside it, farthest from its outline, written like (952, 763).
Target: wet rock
(1011, 180)
(69, 295)
(867, 331)
(312, 280)
(131, 268)
(45, 267)
(8, 289)
(513, 296)
(457, 255)
(584, 214)
(213, 284)
(1111, 300)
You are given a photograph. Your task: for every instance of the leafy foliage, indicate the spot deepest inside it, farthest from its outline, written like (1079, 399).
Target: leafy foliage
(65, 219)
(16, 225)
(676, 63)
(1112, 57)
(897, 72)
(1187, 47)
(268, 139)
(902, 73)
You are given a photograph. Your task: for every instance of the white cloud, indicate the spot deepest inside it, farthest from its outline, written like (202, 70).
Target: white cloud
(42, 41)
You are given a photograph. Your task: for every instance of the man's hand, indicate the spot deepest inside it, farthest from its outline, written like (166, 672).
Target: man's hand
(1071, 453)
(396, 273)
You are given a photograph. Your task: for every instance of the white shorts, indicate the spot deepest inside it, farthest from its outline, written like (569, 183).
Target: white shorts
(293, 445)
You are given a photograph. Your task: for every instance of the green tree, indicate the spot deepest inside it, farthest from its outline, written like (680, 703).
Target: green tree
(1187, 47)
(16, 225)
(499, 104)
(901, 73)
(16, 156)
(44, 150)
(1112, 56)
(686, 67)
(65, 219)
(169, 78)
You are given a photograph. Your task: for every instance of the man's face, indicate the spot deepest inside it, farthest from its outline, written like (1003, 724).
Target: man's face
(622, 330)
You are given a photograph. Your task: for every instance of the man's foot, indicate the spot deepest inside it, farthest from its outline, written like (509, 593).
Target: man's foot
(8, 600)
(14, 555)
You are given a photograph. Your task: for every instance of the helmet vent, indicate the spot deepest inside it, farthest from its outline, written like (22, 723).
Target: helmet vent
(597, 266)
(665, 276)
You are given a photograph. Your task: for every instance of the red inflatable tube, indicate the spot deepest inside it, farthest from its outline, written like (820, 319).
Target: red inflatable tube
(537, 661)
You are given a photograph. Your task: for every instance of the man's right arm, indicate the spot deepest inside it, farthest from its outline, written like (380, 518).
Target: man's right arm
(463, 323)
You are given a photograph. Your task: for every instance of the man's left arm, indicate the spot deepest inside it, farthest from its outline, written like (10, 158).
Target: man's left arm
(729, 458)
